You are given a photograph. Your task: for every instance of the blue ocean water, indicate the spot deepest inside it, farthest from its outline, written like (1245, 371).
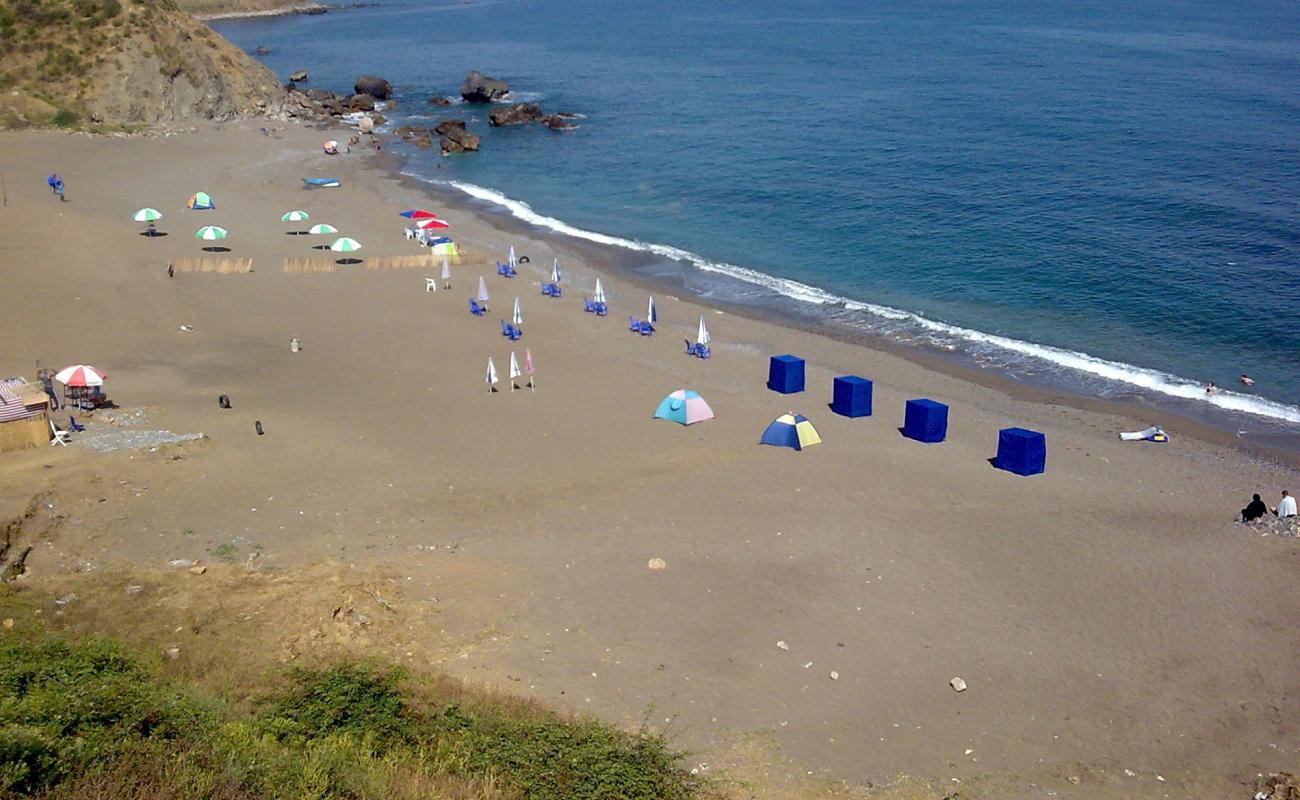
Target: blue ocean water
(1101, 195)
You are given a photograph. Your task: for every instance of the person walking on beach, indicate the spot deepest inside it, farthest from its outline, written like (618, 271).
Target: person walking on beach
(58, 187)
(1286, 506)
(1254, 510)
(52, 181)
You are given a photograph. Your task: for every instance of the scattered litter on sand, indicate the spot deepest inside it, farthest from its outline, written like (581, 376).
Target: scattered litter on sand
(177, 563)
(109, 441)
(782, 646)
(958, 684)
(657, 564)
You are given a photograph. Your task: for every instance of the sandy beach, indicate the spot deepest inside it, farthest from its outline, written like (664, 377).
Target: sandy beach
(1108, 616)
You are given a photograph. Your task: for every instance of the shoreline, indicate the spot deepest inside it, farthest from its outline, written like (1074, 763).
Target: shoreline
(603, 259)
(305, 9)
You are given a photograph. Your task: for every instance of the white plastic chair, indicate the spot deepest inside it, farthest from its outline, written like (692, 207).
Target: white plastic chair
(60, 437)
(430, 284)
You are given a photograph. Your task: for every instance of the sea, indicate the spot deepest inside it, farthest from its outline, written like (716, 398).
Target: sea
(1099, 197)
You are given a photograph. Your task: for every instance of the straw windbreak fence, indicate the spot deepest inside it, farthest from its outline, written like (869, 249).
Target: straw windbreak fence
(309, 265)
(220, 266)
(404, 262)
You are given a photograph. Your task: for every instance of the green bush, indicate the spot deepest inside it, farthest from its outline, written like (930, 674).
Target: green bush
(64, 118)
(357, 699)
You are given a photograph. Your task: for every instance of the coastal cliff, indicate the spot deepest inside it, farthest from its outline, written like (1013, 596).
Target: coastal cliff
(121, 63)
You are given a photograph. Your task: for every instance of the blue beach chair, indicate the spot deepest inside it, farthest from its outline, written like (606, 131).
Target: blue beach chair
(74, 426)
(601, 309)
(633, 324)
(646, 329)
(476, 309)
(505, 270)
(588, 306)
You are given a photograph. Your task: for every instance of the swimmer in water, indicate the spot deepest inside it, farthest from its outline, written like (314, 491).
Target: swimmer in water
(1210, 388)
(1246, 380)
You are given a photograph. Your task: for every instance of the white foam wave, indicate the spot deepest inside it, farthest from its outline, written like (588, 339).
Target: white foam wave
(1140, 377)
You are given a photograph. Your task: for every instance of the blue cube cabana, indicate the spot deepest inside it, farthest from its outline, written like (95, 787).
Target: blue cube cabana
(1021, 451)
(785, 374)
(925, 421)
(852, 396)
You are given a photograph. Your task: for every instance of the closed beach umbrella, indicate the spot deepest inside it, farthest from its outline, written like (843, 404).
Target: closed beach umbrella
(80, 375)
(528, 368)
(482, 290)
(512, 261)
(651, 315)
(446, 269)
(147, 215)
(345, 245)
(322, 227)
(600, 292)
(210, 233)
(517, 317)
(791, 430)
(491, 377)
(702, 335)
(514, 370)
(555, 271)
(199, 201)
(684, 407)
(294, 216)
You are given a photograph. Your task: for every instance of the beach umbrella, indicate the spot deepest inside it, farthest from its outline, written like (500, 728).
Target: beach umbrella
(555, 271)
(322, 227)
(491, 376)
(512, 261)
(518, 316)
(684, 407)
(702, 335)
(210, 233)
(514, 370)
(600, 293)
(651, 315)
(80, 375)
(791, 430)
(431, 222)
(418, 213)
(345, 245)
(294, 216)
(528, 368)
(199, 201)
(446, 269)
(147, 215)
(482, 290)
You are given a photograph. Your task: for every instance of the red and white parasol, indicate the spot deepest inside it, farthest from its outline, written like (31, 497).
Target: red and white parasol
(431, 222)
(80, 375)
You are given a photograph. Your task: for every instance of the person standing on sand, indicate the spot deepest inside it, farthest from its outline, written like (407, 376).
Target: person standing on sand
(52, 181)
(58, 187)
(1286, 506)
(47, 383)
(1254, 511)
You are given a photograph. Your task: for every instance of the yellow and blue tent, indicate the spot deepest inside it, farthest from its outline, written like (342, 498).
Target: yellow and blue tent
(199, 201)
(791, 430)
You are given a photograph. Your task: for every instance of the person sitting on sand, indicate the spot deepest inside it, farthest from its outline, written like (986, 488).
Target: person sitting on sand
(1286, 506)
(1254, 511)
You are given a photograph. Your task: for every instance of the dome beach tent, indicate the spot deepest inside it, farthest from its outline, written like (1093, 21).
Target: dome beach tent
(200, 201)
(684, 407)
(791, 430)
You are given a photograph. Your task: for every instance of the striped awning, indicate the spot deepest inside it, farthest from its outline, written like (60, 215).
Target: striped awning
(12, 405)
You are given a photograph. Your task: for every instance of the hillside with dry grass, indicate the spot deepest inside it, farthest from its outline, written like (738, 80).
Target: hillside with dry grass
(120, 63)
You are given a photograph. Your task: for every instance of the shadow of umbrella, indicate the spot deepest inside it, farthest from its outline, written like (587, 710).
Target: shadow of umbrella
(216, 248)
(153, 233)
(320, 247)
(348, 260)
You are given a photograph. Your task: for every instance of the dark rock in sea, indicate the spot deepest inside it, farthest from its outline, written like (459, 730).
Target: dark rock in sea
(262, 51)
(298, 76)
(442, 128)
(371, 85)
(378, 119)
(479, 88)
(319, 95)
(440, 101)
(515, 115)
(361, 102)
(311, 11)
(458, 140)
(334, 106)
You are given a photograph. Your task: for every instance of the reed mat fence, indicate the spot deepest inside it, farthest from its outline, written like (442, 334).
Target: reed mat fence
(220, 266)
(310, 265)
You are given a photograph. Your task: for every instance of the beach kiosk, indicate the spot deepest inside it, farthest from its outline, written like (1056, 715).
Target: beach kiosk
(852, 396)
(1021, 451)
(24, 415)
(925, 421)
(785, 374)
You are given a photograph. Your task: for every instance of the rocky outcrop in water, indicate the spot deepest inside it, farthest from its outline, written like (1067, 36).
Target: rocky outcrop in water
(373, 86)
(454, 137)
(521, 113)
(479, 88)
(298, 76)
